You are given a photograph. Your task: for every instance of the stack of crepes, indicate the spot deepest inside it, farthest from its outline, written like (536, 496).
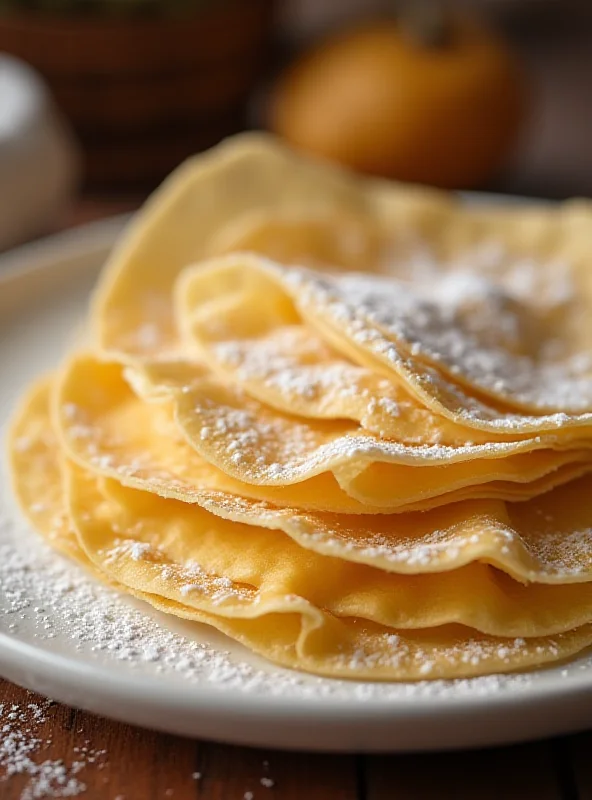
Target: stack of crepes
(348, 423)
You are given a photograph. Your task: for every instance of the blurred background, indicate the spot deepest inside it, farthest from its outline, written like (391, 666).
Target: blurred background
(101, 99)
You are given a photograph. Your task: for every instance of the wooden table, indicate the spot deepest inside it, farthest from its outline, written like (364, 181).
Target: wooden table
(133, 764)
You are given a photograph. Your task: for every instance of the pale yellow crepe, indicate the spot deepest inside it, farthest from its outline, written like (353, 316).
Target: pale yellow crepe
(506, 291)
(487, 258)
(133, 310)
(36, 470)
(265, 591)
(268, 349)
(103, 424)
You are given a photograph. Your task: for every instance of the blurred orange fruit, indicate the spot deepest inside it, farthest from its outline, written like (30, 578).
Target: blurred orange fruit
(387, 102)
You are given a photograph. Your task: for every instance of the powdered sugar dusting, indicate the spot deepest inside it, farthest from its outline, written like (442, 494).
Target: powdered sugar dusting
(262, 444)
(467, 323)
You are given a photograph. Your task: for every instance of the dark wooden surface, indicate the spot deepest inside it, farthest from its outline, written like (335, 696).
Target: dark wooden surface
(135, 764)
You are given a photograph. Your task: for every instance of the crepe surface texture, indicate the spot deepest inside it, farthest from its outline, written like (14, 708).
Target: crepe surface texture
(347, 423)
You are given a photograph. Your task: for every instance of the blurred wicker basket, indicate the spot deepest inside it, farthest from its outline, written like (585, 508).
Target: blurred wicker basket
(143, 93)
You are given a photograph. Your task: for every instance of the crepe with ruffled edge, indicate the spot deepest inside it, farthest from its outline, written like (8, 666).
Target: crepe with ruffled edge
(212, 432)
(133, 313)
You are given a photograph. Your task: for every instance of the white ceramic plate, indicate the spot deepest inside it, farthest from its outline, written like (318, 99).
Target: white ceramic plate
(65, 636)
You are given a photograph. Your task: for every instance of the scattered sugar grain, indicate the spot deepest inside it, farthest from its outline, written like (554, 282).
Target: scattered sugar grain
(21, 751)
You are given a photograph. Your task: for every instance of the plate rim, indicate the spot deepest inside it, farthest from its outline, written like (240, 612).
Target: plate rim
(85, 240)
